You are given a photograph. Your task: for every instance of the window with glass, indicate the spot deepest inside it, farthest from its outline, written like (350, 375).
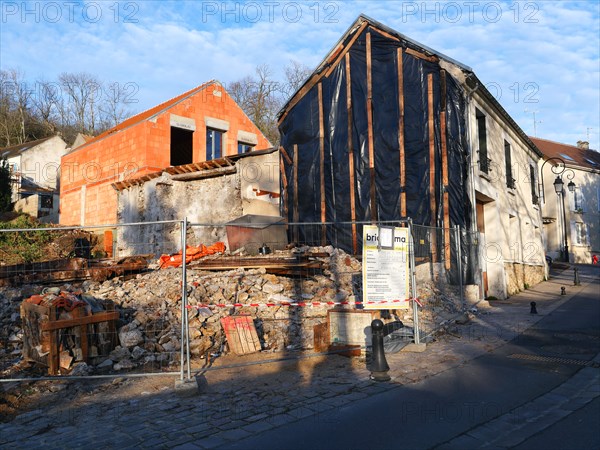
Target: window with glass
(214, 144)
(580, 233)
(243, 147)
(510, 181)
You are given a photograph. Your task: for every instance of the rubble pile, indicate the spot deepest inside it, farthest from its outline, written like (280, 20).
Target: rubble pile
(149, 328)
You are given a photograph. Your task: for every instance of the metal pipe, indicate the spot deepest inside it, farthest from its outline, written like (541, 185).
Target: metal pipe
(183, 291)
(413, 278)
(184, 301)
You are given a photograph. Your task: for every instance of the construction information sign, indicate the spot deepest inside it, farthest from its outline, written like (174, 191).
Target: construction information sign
(385, 267)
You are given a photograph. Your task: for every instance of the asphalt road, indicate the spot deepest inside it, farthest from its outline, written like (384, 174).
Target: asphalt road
(447, 410)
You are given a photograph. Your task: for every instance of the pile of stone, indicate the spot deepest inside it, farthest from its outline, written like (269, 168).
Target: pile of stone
(149, 329)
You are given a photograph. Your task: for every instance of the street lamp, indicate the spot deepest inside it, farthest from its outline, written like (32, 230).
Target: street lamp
(558, 187)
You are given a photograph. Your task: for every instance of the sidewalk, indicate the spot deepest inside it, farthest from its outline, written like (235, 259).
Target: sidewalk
(240, 402)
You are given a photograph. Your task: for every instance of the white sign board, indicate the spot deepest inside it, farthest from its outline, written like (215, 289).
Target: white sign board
(385, 267)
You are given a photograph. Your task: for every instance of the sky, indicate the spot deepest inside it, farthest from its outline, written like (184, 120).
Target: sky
(540, 59)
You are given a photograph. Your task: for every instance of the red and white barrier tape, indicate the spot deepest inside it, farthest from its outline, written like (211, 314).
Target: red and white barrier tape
(297, 304)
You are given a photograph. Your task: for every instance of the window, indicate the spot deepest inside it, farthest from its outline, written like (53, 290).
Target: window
(580, 233)
(182, 144)
(533, 178)
(484, 161)
(510, 181)
(567, 157)
(577, 200)
(244, 147)
(46, 201)
(214, 144)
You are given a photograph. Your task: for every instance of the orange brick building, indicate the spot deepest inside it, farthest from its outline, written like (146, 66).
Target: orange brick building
(202, 124)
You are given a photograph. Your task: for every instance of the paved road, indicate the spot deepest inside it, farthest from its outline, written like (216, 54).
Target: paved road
(502, 399)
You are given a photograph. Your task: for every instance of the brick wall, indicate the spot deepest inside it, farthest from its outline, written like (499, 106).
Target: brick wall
(143, 147)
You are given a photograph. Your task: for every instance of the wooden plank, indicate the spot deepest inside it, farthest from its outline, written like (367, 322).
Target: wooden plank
(387, 35)
(53, 355)
(351, 155)
(400, 55)
(246, 324)
(420, 55)
(371, 144)
(432, 202)
(285, 155)
(322, 165)
(445, 175)
(347, 48)
(68, 323)
(295, 211)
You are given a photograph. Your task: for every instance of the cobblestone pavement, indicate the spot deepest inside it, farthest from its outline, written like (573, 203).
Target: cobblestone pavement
(241, 402)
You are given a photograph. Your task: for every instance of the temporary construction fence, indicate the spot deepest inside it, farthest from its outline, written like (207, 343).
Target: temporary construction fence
(270, 285)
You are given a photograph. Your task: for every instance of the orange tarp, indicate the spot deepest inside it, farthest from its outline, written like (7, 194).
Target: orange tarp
(191, 254)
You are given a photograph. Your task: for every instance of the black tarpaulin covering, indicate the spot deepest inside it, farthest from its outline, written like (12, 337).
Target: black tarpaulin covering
(300, 129)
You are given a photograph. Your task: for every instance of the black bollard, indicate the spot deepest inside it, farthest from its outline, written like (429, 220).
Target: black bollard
(576, 281)
(379, 366)
(563, 290)
(533, 308)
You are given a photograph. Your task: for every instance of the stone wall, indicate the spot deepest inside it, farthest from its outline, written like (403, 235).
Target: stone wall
(522, 276)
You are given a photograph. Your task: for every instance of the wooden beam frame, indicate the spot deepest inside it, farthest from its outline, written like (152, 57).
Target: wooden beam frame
(322, 165)
(346, 48)
(295, 211)
(371, 144)
(399, 55)
(445, 177)
(351, 155)
(432, 202)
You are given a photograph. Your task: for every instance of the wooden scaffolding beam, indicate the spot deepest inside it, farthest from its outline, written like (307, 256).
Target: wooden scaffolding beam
(322, 166)
(351, 154)
(432, 202)
(373, 196)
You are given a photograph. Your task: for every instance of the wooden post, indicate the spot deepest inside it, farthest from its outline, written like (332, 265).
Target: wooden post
(432, 202)
(322, 166)
(445, 178)
(54, 355)
(400, 54)
(295, 211)
(351, 155)
(370, 131)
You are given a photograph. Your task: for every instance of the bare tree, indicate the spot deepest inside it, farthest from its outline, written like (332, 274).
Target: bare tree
(15, 101)
(84, 92)
(295, 73)
(113, 105)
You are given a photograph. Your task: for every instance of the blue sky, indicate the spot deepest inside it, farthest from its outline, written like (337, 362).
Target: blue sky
(534, 56)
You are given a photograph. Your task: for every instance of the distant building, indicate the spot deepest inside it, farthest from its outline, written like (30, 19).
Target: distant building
(200, 125)
(35, 169)
(572, 228)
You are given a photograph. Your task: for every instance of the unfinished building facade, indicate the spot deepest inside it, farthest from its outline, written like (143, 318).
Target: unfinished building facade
(386, 128)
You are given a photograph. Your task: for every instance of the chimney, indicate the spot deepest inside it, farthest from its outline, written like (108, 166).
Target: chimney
(583, 144)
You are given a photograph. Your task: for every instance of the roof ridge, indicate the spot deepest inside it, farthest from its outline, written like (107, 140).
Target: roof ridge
(148, 113)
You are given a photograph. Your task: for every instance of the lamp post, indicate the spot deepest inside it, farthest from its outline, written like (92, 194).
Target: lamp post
(558, 187)
(559, 169)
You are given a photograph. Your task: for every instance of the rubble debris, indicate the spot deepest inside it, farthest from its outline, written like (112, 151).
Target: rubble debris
(148, 333)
